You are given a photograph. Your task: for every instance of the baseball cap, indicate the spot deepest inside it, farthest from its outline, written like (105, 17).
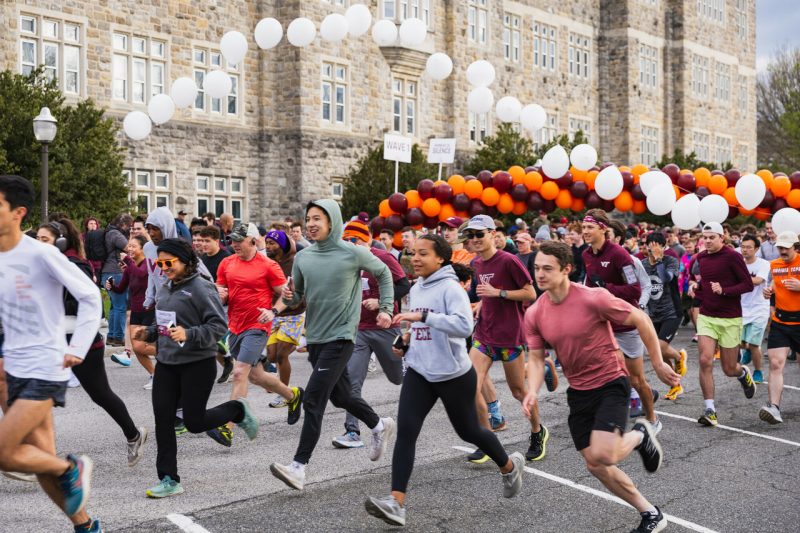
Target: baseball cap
(243, 231)
(452, 222)
(481, 222)
(713, 227)
(787, 239)
(523, 237)
(561, 230)
(182, 212)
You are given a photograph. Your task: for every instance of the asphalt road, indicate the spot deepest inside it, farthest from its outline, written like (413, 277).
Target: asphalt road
(740, 477)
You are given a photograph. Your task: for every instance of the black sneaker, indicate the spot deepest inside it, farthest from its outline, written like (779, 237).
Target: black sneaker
(295, 405)
(747, 382)
(477, 457)
(223, 435)
(792, 356)
(538, 447)
(649, 448)
(655, 395)
(651, 523)
(226, 370)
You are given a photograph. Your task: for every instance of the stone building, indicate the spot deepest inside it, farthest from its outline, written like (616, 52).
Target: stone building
(641, 77)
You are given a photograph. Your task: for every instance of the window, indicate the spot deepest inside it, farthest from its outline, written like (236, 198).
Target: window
(143, 180)
(202, 183)
(548, 131)
(701, 148)
(162, 180)
(162, 200)
(337, 188)
(722, 83)
(478, 127)
(389, 10)
(723, 149)
(743, 94)
(650, 145)
(202, 206)
(205, 61)
(143, 203)
(511, 37)
(648, 66)
(742, 161)
(219, 184)
(420, 9)
(150, 189)
(404, 106)
(713, 10)
(580, 124)
(700, 76)
(57, 45)
(138, 68)
(740, 15)
(228, 196)
(579, 55)
(477, 15)
(126, 175)
(334, 93)
(544, 46)
(237, 186)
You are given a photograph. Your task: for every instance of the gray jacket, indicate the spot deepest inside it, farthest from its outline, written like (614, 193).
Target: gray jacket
(115, 242)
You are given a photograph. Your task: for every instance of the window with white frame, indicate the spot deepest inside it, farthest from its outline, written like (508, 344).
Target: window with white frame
(340, 3)
(478, 127)
(576, 124)
(713, 10)
(650, 145)
(722, 146)
(648, 66)
(579, 54)
(149, 189)
(701, 145)
(700, 76)
(337, 188)
(55, 43)
(221, 194)
(138, 67)
(742, 161)
(399, 10)
(722, 82)
(743, 94)
(548, 131)
(511, 37)
(404, 106)
(335, 94)
(477, 17)
(740, 13)
(545, 46)
(204, 61)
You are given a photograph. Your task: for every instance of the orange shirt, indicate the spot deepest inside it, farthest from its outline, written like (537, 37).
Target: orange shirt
(462, 257)
(784, 298)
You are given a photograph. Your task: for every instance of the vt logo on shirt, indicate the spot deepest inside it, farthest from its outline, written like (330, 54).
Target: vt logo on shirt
(486, 278)
(605, 263)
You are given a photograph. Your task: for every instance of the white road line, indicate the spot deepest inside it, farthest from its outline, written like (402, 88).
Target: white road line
(737, 430)
(604, 495)
(186, 524)
(785, 386)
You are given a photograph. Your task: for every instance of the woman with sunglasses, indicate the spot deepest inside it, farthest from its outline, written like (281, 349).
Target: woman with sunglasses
(92, 372)
(438, 367)
(189, 321)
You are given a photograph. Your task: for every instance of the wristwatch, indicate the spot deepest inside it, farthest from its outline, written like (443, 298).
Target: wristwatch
(274, 311)
(503, 294)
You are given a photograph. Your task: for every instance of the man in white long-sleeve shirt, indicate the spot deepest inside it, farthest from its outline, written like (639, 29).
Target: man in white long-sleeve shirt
(36, 355)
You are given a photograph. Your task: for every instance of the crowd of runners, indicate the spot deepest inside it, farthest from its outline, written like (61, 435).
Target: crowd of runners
(205, 302)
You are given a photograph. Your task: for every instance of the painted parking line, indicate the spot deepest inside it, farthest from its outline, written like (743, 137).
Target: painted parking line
(737, 430)
(791, 387)
(186, 524)
(600, 494)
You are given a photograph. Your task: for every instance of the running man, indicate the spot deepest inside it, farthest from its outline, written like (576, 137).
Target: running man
(755, 308)
(36, 356)
(598, 381)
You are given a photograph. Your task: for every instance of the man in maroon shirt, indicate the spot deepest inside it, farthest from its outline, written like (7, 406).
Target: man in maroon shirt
(723, 279)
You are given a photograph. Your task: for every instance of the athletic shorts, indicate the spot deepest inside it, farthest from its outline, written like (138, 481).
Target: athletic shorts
(287, 329)
(753, 333)
(602, 409)
(726, 331)
(143, 318)
(496, 353)
(783, 336)
(667, 329)
(696, 302)
(630, 343)
(36, 389)
(248, 346)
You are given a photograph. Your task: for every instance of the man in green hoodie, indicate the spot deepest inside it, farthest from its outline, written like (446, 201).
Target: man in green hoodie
(328, 275)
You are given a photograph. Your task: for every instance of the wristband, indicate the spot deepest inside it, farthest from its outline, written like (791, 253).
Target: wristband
(274, 311)
(424, 316)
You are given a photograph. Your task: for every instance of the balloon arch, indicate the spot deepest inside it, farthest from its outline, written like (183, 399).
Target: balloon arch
(689, 196)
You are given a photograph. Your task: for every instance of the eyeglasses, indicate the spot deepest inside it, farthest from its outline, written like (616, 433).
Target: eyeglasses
(474, 234)
(165, 263)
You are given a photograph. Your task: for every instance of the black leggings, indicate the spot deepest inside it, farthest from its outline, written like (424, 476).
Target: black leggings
(190, 383)
(417, 398)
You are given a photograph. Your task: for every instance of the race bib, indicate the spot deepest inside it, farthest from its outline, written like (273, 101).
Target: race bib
(364, 284)
(630, 274)
(164, 321)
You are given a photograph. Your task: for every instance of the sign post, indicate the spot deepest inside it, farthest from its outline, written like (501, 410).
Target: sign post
(442, 151)
(398, 149)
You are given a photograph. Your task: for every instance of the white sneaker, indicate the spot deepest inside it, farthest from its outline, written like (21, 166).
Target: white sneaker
(149, 384)
(277, 402)
(19, 476)
(770, 413)
(122, 358)
(657, 426)
(380, 439)
(135, 448)
(373, 364)
(293, 474)
(73, 381)
(351, 439)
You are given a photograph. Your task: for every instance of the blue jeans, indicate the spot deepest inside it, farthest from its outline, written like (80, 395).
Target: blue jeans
(119, 306)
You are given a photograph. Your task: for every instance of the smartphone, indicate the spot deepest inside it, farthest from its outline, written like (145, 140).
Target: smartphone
(398, 344)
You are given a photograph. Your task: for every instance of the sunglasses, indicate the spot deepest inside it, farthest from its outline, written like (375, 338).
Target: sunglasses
(474, 234)
(354, 240)
(165, 263)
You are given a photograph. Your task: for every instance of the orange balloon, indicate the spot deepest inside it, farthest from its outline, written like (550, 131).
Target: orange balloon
(624, 169)
(685, 171)
(414, 200)
(762, 215)
(506, 203)
(638, 170)
(456, 182)
(398, 240)
(578, 204)
(717, 184)
(730, 196)
(431, 207)
(384, 210)
(793, 199)
(766, 176)
(549, 190)
(577, 174)
(438, 182)
(490, 196)
(781, 186)
(701, 176)
(446, 212)
(533, 181)
(678, 193)
(590, 177)
(746, 212)
(473, 189)
(624, 202)
(564, 199)
(517, 174)
(519, 208)
(639, 207)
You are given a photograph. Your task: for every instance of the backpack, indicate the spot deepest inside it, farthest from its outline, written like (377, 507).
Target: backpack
(95, 245)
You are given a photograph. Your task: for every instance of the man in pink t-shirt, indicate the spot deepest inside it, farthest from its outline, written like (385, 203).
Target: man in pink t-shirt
(598, 379)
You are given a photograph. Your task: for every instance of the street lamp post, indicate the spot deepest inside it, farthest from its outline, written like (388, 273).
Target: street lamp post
(44, 129)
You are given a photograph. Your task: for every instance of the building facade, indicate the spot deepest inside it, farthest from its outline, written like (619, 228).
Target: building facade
(641, 78)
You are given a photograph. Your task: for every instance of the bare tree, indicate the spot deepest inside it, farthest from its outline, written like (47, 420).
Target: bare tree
(778, 112)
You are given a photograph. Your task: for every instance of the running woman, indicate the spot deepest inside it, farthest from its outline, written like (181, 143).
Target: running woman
(598, 380)
(755, 308)
(438, 368)
(36, 355)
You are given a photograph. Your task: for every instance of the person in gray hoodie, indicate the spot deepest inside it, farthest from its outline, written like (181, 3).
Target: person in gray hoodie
(438, 368)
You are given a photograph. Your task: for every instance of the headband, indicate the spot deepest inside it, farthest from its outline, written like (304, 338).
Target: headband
(591, 220)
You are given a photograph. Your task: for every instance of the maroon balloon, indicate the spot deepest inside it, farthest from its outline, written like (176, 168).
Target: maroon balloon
(593, 200)
(733, 176)
(564, 181)
(595, 168)
(549, 206)
(779, 174)
(779, 204)
(717, 173)
(606, 165)
(637, 193)
(425, 189)
(795, 179)
(461, 202)
(519, 192)
(394, 222)
(535, 201)
(376, 224)
(443, 192)
(492, 211)
(673, 171)
(627, 180)
(579, 189)
(733, 212)
(702, 192)
(687, 182)
(502, 182)
(470, 177)
(431, 222)
(414, 217)
(768, 200)
(485, 177)
(529, 169)
(398, 202)
(608, 205)
(476, 208)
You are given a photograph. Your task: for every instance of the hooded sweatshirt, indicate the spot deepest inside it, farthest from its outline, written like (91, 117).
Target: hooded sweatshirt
(328, 275)
(437, 350)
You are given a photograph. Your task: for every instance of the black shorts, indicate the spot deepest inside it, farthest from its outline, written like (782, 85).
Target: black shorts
(667, 329)
(783, 336)
(602, 409)
(696, 302)
(36, 389)
(143, 318)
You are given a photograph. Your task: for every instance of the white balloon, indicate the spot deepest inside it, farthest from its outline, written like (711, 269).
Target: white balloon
(750, 191)
(161, 108)
(480, 73)
(233, 46)
(137, 125)
(359, 19)
(650, 180)
(301, 32)
(439, 66)
(269, 33)
(786, 219)
(333, 28)
(533, 117)
(555, 162)
(217, 84)
(183, 92)
(413, 32)
(508, 109)
(583, 156)
(608, 183)
(480, 100)
(384, 33)
(686, 212)
(713, 208)
(662, 200)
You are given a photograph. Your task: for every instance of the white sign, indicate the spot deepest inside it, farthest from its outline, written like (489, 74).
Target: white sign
(442, 151)
(397, 148)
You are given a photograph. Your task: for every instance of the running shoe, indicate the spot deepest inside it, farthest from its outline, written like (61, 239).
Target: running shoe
(75, 484)
(498, 423)
(649, 448)
(180, 427)
(270, 367)
(222, 435)
(758, 377)
(674, 392)
(277, 402)
(380, 439)
(651, 523)
(149, 384)
(792, 356)
(351, 439)
(73, 382)
(295, 405)
(657, 426)
(477, 457)
(538, 445)
(708, 418)
(92, 527)
(512, 482)
(19, 476)
(770, 413)
(226, 371)
(122, 358)
(293, 474)
(249, 423)
(372, 366)
(655, 395)
(165, 488)
(680, 364)
(550, 376)
(387, 509)
(223, 347)
(636, 408)
(745, 357)
(747, 383)
(135, 447)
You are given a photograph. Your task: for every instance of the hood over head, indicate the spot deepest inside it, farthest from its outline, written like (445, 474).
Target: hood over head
(162, 218)
(335, 217)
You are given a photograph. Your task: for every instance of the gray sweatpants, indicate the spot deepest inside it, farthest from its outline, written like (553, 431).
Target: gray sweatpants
(368, 341)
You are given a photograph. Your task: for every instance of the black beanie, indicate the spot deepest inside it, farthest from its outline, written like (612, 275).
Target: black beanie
(179, 248)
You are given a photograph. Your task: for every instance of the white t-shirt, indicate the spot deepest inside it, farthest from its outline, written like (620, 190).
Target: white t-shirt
(33, 276)
(755, 308)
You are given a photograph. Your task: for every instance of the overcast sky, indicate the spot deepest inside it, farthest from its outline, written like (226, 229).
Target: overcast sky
(777, 24)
